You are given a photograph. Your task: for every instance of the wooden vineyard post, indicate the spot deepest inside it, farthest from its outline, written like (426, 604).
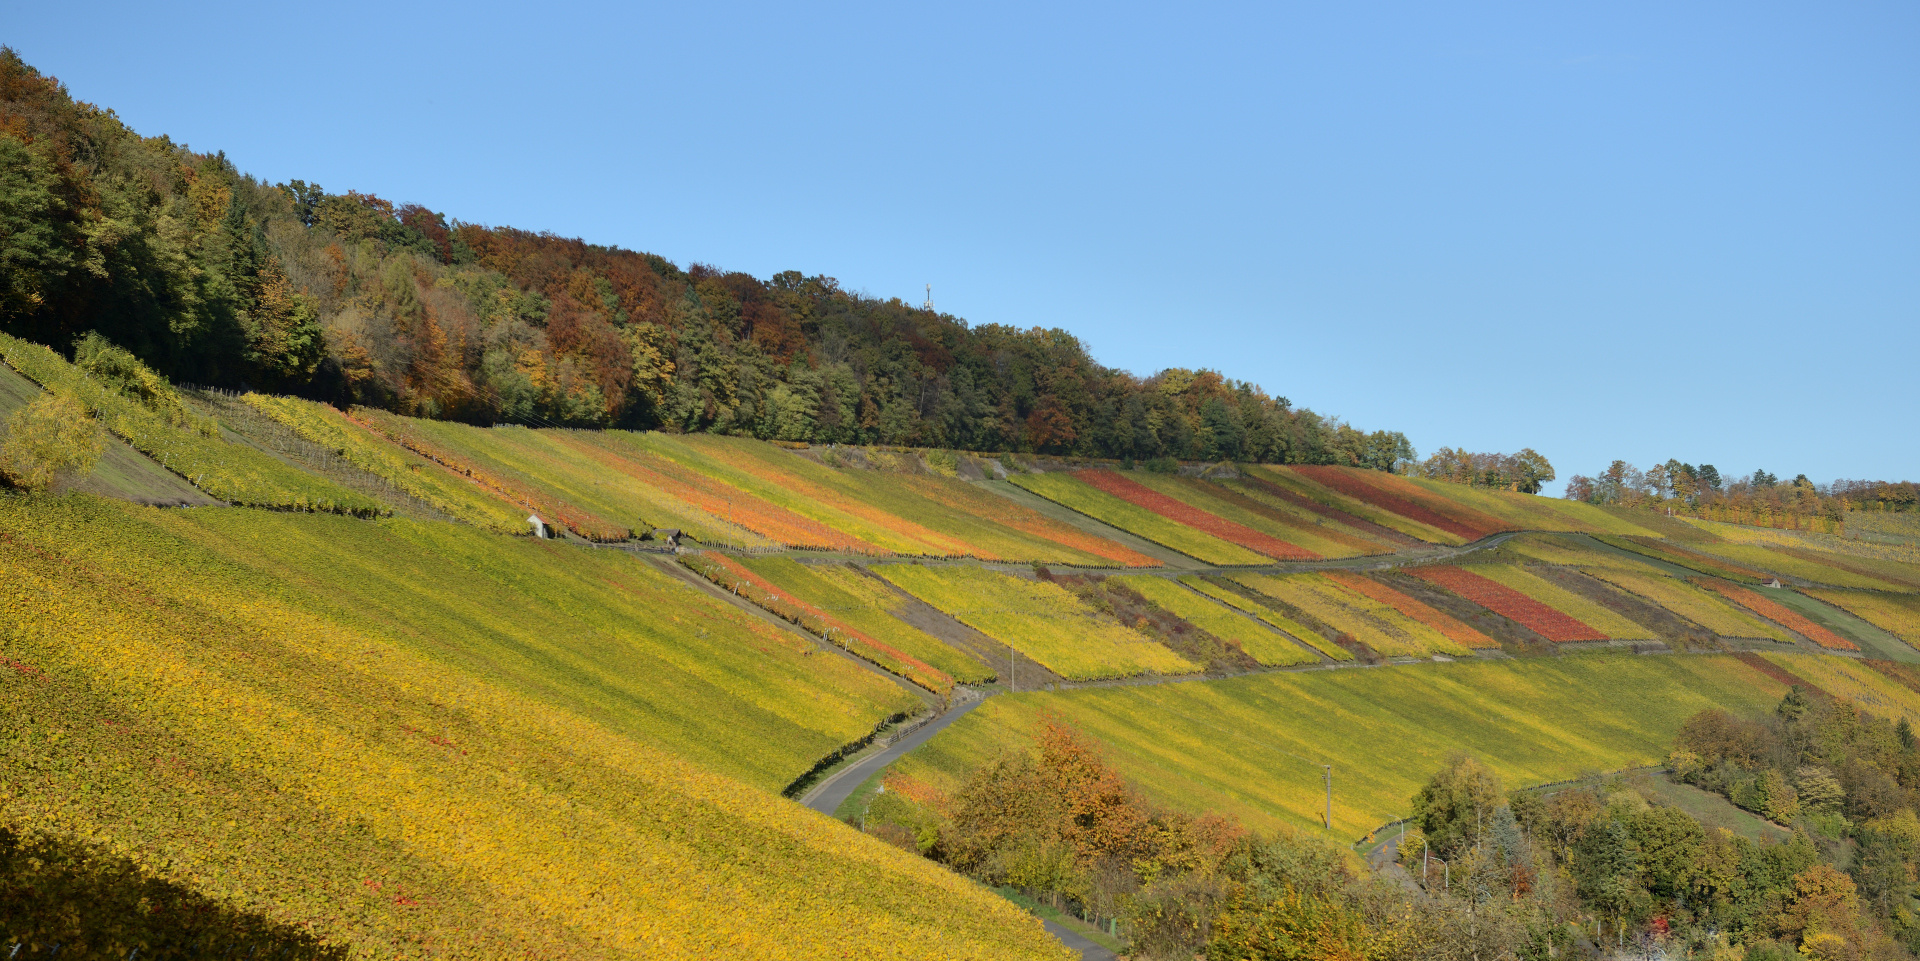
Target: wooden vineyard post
(1329, 773)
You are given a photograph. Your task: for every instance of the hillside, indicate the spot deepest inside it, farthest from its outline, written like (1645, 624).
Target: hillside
(405, 739)
(213, 277)
(501, 739)
(385, 586)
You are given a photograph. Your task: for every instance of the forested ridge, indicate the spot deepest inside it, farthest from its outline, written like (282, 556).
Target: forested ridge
(214, 277)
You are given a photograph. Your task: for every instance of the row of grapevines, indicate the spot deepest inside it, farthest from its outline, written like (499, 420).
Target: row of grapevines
(1253, 746)
(162, 428)
(1181, 512)
(417, 477)
(1446, 624)
(1404, 499)
(1779, 614)
(1260, 642)
(1270, 615)
(1897, 614)
(1043, 621)
(735, 577)
(1070, 492)
(1540, 618)
(867, 604)
(1373, 623)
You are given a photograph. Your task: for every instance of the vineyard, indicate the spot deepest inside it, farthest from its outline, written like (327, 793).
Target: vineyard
(1252, 746)
(1702, 607)
(1505, 601)
(1069, 491)
(1043, 621)
(148, 414)
(1268, 614)
(1446, 624)
(1779, 614)
(477, 728)
(908, 513)
(269, 708)
(1404, 498)
(1827, 571)
(458, 496)
(1585, 610)
(1259, 641)
(782, 600)
(1897, 614)
(1180, 512)
(1288, 522)
(1354, 613)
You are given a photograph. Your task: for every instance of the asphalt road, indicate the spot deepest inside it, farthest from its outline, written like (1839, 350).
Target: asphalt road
(827, 796)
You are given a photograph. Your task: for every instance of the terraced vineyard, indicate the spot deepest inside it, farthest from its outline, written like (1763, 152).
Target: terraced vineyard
(1705, 608)
(846, 608)
(1516, 577)
(1262, 643)
(1355, 613)
(1269, 614)
(1897, 614)
(406, 735)
(158, 424)
(1252, 746)
(1779, 614)
(1183, 511)
(1043, 621)
(1449, 626)
(416, 476)
(419, 699)
(1277, 518)
(1069, 491)
(1542, 619)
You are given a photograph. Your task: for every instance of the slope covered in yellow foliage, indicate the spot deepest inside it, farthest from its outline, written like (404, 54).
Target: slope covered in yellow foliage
(423, 740)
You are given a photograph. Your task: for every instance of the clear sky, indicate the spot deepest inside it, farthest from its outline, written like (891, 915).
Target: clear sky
(1638, 230)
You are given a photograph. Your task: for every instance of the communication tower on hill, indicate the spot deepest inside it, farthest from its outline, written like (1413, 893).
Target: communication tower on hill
(928, 306)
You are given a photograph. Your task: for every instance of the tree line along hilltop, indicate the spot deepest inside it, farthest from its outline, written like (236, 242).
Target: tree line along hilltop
(213, 277)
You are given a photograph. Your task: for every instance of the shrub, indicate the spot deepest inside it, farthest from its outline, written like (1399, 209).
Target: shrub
(54, 435)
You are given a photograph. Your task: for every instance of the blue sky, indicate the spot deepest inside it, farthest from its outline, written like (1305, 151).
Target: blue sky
(1626, 230)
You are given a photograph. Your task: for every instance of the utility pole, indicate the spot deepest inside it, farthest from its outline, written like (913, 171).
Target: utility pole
(1011, 651)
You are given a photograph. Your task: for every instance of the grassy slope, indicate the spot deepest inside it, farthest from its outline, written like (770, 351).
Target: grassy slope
(208, 693)
(1711, 810)
(122, 472)
(1252, 746)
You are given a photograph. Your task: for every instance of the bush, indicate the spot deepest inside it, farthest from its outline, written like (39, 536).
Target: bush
(50, 437)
